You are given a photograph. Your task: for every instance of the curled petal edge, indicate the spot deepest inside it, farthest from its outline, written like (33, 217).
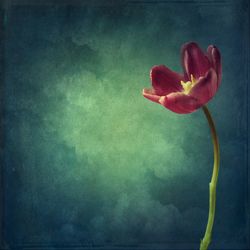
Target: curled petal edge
(150, 95)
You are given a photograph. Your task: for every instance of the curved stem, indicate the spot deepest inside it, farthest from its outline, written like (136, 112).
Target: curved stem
(212, 185)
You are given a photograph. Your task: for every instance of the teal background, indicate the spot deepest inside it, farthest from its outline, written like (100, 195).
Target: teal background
(87, 159)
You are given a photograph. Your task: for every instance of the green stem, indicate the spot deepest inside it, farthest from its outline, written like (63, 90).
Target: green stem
(212, 185)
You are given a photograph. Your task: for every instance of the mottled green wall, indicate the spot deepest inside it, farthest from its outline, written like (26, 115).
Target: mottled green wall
(87, 158)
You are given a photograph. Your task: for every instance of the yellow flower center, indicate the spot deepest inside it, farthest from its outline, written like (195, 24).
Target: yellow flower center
(187, 86)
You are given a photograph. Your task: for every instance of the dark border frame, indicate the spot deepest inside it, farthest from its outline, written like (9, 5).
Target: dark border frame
(5, 6)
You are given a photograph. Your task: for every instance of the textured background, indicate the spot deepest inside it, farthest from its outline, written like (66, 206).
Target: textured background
(88, 160)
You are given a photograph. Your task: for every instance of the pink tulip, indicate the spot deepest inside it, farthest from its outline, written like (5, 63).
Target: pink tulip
(185, 93)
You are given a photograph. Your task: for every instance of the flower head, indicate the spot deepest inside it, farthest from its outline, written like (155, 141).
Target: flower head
(187, 92)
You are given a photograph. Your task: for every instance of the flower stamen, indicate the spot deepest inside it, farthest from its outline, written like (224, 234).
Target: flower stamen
(187, 86)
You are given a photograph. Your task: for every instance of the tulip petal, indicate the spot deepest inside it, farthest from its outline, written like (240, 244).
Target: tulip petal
(194, 61)
(205, 88)
(215, 60)
(150, 94)
(180, 103)
(165, 81)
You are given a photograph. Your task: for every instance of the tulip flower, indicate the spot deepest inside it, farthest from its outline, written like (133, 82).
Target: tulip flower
(187, 92)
